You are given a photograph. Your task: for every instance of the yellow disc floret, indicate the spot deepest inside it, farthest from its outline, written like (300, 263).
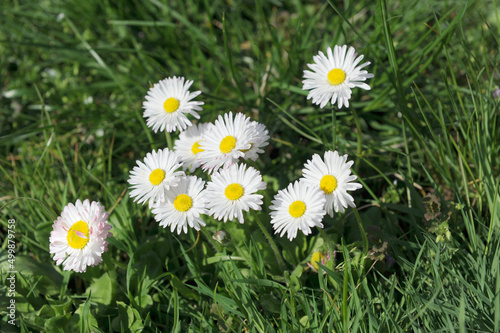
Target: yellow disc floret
(234, 191)
(336, 76)
(227, 144)
(156, 176)
(328, 184)
(297, 208)
(171, 104)
(196, 147)
(78, 235)
(183, 202)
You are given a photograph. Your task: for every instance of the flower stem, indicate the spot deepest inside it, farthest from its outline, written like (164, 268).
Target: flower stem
(362, 230)
(169, 140)
(334, 129)
(345, 253)
(359, 134)
(271, 242)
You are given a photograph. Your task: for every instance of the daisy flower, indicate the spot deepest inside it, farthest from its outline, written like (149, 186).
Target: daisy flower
(182, 206)
(225, 141)
(232, 191)
(334, 76)
(78, 238)
(167, 104)
(188, 146)
(151, 179)
(333, 177)
(259, 139)
(298, 207)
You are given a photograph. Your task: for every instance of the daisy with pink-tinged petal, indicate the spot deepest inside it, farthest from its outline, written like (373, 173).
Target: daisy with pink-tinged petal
(168, 103)
(78, 238)
(188, 146)
(334, 75)
(232, 191)
(182, 206)
(258, 140)
(333, 176)
(298, 207)
(151, 179)
(225, 141)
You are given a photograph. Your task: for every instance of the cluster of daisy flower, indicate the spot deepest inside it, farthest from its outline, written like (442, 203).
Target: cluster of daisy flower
(178, 199)
(322, 189)
(164, 178)
(325, 182)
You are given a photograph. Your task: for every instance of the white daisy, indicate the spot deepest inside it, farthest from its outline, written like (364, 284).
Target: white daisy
(334, 76)
(167, 104)
(182, 206)
(188, 146)
(78, 238)
(151, 179)
(232, 191)
(333, 177)
(259, 139)
(225, 141)
(298, 207)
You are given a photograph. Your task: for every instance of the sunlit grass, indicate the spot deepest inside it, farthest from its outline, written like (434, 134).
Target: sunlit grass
(74, 77)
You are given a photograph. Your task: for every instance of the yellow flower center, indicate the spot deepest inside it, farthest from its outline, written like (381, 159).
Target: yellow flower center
(171, 105)
(78, 235)
(297, 208)
(196, 147)
(328, 184)
(336, 76)
(234, 191)
(183, 202)
(315, 258)
(227, 144)
(156, 176)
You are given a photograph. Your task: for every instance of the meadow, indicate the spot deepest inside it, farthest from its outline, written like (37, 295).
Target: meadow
(419, 253)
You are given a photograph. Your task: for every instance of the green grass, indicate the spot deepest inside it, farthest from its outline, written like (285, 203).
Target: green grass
(425, 140)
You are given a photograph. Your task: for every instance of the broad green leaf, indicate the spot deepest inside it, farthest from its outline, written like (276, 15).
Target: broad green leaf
(102, 290)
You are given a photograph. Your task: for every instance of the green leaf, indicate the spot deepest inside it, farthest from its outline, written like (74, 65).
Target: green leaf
(270, 303)
(85, 314)
(102, 290)
(42, 232)
(183, 289)
(130, 319)
(144, 302)
(260, 282)
(217, 258)
(82, 320)
(60, 307)
(57, 324)
(46, 311)
(50, 279)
